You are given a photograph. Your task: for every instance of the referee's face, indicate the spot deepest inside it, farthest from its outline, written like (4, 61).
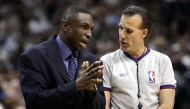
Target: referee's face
(131, 35)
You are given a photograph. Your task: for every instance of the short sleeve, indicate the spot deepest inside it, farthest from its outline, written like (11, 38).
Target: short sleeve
(106, 72)
(168, 79)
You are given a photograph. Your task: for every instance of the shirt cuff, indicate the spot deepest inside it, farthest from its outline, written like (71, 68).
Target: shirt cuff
(168, 86)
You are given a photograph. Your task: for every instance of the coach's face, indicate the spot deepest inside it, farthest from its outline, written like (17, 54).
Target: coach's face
(80, 31)
(131, 35)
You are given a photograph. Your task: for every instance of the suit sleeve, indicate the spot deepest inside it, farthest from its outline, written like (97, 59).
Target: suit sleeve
(94, 100)
(35, 90)
(38, 95)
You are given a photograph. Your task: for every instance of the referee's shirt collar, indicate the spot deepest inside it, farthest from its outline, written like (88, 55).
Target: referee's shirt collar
(139, 58)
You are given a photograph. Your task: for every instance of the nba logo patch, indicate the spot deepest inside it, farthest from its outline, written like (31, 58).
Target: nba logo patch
(151, 76)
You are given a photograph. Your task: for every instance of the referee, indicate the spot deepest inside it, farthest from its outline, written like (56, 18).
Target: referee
(136, 76)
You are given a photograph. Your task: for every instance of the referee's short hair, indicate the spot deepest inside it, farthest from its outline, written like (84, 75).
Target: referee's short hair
(134, 9)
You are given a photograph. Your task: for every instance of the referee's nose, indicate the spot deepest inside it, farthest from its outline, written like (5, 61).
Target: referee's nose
(122, 34)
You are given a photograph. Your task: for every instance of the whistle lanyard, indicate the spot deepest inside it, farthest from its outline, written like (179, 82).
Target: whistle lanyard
(138, 94)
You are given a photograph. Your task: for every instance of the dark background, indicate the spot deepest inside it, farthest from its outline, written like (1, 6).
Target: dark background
(24, 23)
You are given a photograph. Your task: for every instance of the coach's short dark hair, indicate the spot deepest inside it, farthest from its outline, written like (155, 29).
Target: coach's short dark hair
(133, 9)
(73, 10)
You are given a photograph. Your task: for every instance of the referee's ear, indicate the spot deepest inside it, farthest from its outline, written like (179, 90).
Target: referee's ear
(144, 33)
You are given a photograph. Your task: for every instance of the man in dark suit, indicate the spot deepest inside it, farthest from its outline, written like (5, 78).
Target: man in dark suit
(60, 73)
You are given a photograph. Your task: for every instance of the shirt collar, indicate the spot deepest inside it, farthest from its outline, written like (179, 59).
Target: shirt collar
(64, 49)
(139, 58)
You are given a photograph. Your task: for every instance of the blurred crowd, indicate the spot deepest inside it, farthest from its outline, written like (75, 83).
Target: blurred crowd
(24, 23)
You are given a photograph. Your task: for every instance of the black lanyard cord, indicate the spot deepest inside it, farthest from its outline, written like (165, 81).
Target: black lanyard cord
(138, 94)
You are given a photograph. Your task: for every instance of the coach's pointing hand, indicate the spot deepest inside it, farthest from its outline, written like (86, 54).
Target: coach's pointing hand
(89, 76)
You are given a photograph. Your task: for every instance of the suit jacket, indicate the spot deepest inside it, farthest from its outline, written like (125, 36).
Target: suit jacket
(45, 83)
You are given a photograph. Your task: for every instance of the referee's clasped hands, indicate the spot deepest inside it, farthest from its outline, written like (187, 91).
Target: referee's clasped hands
(89, 76)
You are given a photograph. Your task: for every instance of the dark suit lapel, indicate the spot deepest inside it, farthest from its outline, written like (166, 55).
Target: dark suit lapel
(55, 57)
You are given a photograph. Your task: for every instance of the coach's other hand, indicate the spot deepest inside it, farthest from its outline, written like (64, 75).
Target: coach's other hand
(89, 76)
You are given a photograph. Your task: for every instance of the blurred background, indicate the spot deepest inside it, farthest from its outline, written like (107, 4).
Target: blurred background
(24, 23)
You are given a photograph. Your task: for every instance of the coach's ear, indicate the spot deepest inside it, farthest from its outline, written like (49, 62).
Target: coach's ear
(65, 25)
(144, 33)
